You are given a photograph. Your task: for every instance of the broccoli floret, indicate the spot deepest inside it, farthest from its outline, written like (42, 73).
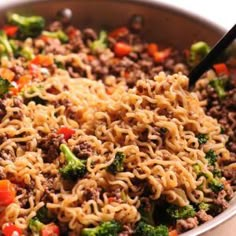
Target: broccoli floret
(204, 206)
(109, 228)
(215, 185)
(4, 86)
(219, 86)
(177, 212)
(74, 168)
(30, 26)
(147, 213)
(57, 34)
(202, 138)
(42, 218)
(101, 43)
(211, 157)
(35, 225)
(217, 173)
(5, 46)
(198, 51)
(149, 230)
(27, 53)
(117, 164)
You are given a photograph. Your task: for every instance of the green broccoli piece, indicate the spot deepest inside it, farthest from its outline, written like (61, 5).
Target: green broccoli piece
(217, 173)
(202, 138)
(5, 46)
(29, 26)
(177, 212)
(101, 43)
(144, 229)
(147, 213)
(204, 206)
(109, 228)
(57, 34)
(27, 53)
(198, 51)
(211, 157)
(35, 225)
(4, 86)
(219, 86)
(117, 164)
(74, 168)
(215, 185)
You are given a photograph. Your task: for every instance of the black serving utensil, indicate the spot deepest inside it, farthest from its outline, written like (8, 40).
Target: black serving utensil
(210, 58)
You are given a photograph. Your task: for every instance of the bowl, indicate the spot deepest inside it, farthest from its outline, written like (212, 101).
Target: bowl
(165, 24)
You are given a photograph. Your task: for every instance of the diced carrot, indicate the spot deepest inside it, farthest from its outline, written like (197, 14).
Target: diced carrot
(10, 30)
(173, 233)
(7, 74)
(152, 48)
(122, 49)
(7, 193)
(221, 69)
(119, 32)
(42, 60)
(160, 56)
(44, 38)
(23, 80)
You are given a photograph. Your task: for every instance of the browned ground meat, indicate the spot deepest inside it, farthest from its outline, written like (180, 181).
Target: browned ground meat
(2, 109)
(50, 146)
(203, 216)
(186, 224)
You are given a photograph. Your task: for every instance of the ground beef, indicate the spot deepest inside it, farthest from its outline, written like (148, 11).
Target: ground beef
(83, 150)
(25, 192)
(203, 216)
(186, 224)
(221, 201)
(50, 146)
(49, 186)
(3, 111)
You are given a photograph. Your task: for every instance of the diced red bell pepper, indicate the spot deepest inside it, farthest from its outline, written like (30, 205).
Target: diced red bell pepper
(10, 229)
(111, 199)
(221, 69)
(7, 193)
(10, 30)
(122, 49)
(67, 132)
(119, 32)
(50, 230)
(152, 48)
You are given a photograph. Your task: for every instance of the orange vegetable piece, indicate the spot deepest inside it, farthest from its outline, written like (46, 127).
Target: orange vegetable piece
(119, 32)
(173, 233)
(42, 60)
(122, 49)
(160, 56)
(152, 48)
(7, 193)
(7, 74)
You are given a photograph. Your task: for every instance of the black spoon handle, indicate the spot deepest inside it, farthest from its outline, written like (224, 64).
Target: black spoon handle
(207, 61)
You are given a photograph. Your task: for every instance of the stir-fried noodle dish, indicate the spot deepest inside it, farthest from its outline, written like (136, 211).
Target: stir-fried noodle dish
(100, 134)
